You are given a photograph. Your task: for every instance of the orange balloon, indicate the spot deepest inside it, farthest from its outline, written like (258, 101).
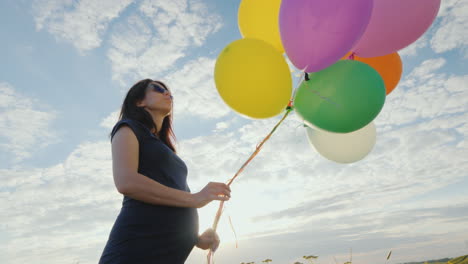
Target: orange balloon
(389, 67)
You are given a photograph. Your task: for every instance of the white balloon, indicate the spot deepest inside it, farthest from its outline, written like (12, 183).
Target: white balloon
(343, 147)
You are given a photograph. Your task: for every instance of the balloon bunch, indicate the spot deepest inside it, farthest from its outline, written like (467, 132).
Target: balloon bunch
(347, 51)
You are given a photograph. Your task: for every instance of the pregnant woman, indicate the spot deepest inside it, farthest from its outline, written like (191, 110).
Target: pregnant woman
(158, 221)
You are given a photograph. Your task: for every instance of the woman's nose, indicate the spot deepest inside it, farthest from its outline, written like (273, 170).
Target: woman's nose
(168, 93)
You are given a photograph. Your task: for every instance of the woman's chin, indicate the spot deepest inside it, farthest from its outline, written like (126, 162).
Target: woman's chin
(167, 112)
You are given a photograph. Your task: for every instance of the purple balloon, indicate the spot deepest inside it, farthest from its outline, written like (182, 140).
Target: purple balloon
(396, 24)
(317, 33)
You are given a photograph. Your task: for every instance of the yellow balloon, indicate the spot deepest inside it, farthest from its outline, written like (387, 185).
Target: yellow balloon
(260, 19)
(253, 78)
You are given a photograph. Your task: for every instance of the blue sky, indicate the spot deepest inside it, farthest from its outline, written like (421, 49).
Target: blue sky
(68, 63)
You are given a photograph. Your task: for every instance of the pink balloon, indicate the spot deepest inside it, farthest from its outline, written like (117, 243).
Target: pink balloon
(395, 24)
(317, 33)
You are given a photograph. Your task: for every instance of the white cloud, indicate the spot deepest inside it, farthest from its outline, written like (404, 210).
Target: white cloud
(81, 23)
(446, 6)
(191, 19)
(425, 94)
(453, 31)
(413, 48)
(109, 121)
(45, 10)
(70, 205)
(426, 70)
(195, 94)
(24, 124)
(328, 208)
(153, 39)
(449, 30)
(288, 202)
(289, 188)
(287, 193)
(221, 126)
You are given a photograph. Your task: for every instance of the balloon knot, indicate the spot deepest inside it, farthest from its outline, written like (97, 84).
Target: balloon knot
(351, 56)
(290, 105)
(306, 76)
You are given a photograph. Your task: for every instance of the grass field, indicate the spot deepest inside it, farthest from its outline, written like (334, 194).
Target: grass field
(458, 260)
(310, 259)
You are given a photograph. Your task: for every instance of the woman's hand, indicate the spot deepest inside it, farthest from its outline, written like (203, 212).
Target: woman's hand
(208, 240)
(212, 191)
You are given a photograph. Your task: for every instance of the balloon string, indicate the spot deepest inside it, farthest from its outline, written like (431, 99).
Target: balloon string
(315, 91)
(289, 108)
(232, 227)
(295, 90)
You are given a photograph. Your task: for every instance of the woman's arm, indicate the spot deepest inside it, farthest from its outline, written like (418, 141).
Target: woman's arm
(137, 186)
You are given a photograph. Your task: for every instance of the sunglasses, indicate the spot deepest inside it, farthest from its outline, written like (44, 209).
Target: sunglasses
(159, 89)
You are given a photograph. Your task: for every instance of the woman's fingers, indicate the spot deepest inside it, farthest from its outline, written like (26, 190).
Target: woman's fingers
(210, 240)
(221, 186)
(219, 197)
(212, 191)
(219, 191)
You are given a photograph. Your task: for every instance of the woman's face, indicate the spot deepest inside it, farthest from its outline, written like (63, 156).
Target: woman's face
(157, 99)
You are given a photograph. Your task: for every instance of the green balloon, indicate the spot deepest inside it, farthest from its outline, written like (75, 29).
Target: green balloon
(342, 98)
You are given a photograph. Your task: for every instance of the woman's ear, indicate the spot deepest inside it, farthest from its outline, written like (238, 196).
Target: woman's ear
(140, 104)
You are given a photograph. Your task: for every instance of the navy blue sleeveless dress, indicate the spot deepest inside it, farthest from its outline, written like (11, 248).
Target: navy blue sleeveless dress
(144, 233)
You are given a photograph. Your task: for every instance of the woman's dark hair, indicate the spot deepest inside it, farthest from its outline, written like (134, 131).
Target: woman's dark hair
(130, 110)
